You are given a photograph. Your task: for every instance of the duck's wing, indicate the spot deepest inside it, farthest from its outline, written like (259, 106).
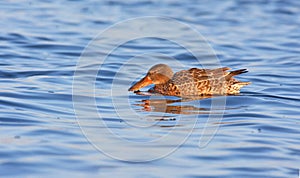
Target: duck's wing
(204, 74)
(201, 74)
(208, 74)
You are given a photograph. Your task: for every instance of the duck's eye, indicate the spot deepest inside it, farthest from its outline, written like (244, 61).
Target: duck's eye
(152, 73)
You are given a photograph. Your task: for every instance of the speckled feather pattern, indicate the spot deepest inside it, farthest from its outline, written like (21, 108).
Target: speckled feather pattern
(202, 82)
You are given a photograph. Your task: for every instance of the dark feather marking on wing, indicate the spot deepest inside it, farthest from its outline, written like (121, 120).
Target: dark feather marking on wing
(236, 72)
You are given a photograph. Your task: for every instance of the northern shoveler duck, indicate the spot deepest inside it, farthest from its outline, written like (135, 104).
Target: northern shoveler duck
(192, 82)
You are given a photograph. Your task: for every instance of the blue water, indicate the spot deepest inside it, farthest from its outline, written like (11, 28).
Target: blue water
(41, 43)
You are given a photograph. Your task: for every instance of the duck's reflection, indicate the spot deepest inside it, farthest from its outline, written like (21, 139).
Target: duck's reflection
(172, 106)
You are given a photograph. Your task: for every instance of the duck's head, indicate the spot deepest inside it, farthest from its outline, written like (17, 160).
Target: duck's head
(158, 74)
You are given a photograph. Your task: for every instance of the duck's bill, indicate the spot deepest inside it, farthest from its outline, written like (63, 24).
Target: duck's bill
(140, 84)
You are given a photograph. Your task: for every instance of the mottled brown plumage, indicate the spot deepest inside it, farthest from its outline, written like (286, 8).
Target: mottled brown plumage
(192, 82)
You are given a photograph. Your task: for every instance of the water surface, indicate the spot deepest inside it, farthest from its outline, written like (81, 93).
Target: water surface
(41, 43)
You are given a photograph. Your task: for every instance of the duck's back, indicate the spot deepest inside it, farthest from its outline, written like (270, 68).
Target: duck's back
(199, 82)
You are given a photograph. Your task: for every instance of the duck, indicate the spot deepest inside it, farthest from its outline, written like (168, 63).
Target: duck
(191, 82)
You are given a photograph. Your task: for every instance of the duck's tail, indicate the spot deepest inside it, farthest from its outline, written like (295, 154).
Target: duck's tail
(235, 85)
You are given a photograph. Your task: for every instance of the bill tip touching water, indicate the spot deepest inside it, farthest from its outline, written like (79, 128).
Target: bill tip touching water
(191, 82)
